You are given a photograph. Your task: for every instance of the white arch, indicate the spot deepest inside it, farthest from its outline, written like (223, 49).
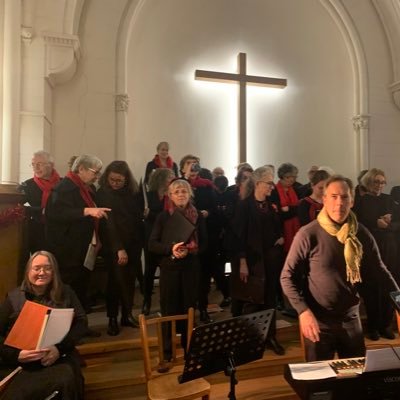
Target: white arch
(350, 36)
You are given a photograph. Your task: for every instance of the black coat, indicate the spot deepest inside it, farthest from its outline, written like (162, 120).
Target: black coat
(69, 232)
(124, 226)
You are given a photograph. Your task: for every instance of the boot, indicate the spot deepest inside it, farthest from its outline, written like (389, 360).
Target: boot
(146, 307)
(113, 328)
(129, 320)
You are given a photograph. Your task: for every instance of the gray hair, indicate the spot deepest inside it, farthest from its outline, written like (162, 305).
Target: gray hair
(86, 161)
(287, 168)
(44, 154)
(258, 175)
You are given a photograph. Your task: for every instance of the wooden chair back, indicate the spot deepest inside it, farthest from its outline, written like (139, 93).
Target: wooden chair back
(157, 322)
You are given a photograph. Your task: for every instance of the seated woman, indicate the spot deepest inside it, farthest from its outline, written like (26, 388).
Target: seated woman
(55, 368)
(310, 206)
(179, 265)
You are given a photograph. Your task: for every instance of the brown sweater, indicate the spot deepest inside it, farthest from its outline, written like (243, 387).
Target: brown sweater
(314, 274)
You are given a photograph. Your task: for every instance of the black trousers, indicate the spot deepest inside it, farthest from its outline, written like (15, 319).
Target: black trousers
(344, 336)
(120, 290)
(178, 292)
(78, 277)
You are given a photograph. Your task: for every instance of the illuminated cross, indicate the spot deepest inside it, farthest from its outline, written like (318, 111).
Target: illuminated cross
(242, 79)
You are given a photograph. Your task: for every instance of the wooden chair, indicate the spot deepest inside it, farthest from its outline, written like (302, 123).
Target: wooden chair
(165, 386)
(398, 321)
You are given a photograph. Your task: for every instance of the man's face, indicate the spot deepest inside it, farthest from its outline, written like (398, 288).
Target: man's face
(41, 167)
(338, 201)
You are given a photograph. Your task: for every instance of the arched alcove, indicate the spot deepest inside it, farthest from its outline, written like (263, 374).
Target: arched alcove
(185, 118)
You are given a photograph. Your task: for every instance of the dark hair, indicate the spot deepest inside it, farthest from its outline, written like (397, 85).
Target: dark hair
(221, 182)
(185, 158)
(205, 173)
(287, 168)
(239, 177)
(340, 178)
(319, 176)
(122, 168)
(55, 288)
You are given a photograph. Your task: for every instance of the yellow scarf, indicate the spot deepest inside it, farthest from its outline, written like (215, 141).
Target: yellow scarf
(346, 234)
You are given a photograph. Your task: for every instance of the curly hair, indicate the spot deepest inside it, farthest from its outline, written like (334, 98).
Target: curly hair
(122, 168)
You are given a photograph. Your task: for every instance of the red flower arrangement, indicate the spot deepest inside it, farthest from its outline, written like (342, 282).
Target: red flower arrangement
(12, 215)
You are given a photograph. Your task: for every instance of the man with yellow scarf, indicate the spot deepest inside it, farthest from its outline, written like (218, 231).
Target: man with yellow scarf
(327, 260)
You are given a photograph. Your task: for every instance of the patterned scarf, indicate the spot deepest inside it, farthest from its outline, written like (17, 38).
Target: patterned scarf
(345, 234)
(45, 185)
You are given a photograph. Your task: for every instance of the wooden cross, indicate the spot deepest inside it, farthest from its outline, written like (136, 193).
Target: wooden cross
(242, 79)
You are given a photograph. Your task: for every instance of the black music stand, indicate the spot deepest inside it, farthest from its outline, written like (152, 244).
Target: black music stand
(223, 345)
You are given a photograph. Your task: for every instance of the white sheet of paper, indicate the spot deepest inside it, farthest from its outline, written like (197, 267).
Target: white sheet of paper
(381, 359)
(312, 370)
(58, 325)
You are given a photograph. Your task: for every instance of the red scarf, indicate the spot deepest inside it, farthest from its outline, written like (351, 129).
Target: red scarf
(292, 225)
(200, 182)
(169, 162)
(45, 185)
(85, 191)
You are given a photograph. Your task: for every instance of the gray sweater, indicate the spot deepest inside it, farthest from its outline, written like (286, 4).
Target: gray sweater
(314, 274)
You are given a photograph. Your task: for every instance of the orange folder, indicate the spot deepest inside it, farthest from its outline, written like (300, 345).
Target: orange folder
(29, 326)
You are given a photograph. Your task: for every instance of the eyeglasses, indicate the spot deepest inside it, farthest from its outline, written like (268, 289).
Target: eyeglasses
(45, 268)
(95, 172)
(378, 182)
(38, 164)
(270, 183)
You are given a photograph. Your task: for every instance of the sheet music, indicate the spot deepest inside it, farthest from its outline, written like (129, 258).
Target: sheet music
(382, 359)
(312, 370)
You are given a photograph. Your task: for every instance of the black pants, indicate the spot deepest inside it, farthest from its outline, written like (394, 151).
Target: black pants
(78, 277)
(178, 292)
(151, 263)
(121, 282)
(344, 336)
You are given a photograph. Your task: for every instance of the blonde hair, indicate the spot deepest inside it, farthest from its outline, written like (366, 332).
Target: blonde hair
(180, 183)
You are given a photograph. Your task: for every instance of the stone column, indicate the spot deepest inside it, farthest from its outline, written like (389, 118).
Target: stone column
(121, 109)
(11, 91)
(361, 126)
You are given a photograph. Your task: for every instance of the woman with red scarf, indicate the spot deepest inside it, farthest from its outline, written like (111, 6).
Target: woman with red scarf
(179, 265)
(37, 191)
(72, 222)
(160, 160)
(286, 200)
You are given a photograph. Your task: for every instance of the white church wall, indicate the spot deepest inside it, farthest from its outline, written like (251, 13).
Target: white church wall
(84, 116)
(309, 122)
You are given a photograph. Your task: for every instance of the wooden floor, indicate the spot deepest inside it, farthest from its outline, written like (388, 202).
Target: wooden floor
(114, 367)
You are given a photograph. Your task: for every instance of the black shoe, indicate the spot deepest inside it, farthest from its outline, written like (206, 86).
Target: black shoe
(373, 334)
(273, 344)
(204, 317)
(129, 320)
(92, 333)
(226, 302)
(387, 333)
(146, 307)
(113, 328)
